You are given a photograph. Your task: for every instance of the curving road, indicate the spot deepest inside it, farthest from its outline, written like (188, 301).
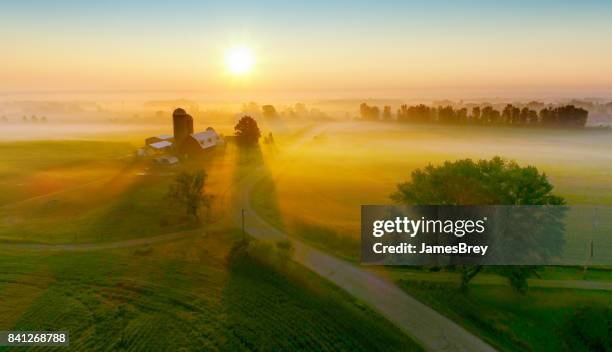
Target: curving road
(432, 330)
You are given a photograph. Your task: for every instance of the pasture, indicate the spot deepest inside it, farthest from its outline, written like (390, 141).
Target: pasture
(317, 197)
(322, 187)
(180, 295)
(83, 191)
(95, 191)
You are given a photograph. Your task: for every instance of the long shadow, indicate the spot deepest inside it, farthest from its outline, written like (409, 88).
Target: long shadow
(139, 209)
(251, 162)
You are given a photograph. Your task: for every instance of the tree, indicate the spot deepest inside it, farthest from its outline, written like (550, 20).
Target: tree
(461, 115)
(188, 191)
(301, 110)
(269, 111)
(387, 113)
(446, 114)
(564, 116)
(475, 115)
(369, 112)
(247, 131)
(568, 116)
(485, 182)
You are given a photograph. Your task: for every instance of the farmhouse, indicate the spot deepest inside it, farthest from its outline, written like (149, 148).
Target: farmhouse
(200, 142)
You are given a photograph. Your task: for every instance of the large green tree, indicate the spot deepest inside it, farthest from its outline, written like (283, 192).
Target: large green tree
(188, 191)
(484, 182)
(247, 131)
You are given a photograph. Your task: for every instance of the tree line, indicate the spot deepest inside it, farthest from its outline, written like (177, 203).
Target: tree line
(25, 119)
(561, 116)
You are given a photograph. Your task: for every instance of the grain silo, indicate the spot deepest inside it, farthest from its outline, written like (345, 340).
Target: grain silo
(183, 126)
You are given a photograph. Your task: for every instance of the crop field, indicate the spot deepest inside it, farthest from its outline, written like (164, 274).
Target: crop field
(183, 295)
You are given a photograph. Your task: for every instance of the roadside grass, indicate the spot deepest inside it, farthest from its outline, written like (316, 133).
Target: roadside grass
(183, 296)
(506, 319)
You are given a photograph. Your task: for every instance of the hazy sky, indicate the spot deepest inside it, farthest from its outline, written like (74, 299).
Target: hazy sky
(314, 46)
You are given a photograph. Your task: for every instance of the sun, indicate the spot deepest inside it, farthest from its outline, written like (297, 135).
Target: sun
(239, 60)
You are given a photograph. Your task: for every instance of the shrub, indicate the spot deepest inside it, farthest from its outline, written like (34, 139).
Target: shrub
(589, 329)
(273, 254)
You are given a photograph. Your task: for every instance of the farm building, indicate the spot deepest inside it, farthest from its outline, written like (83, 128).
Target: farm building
(184, 141)
(163, 147)
(160, 138)
(200, 142)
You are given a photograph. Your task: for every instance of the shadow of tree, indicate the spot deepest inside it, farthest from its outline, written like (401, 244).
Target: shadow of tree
(251, 162)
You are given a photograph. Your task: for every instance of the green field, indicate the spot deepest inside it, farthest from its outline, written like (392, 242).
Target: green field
(507, 320)
(181, 296)
(168, 296)
(134, 298)
(352, 164)
(91, 192)
(316, 197)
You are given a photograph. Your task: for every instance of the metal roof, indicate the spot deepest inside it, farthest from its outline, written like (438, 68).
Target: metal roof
(207, 139)
(160, 145)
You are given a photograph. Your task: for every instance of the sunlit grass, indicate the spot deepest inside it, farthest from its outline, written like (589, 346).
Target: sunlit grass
(354, 164)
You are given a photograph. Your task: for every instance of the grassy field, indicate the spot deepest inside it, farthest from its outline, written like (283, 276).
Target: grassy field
(531, 322)
(34, 168)
(173, 296)
(87, 191)
(317, 197)
(183, 296)
(318, 194)
(75, 191)
(94, 191)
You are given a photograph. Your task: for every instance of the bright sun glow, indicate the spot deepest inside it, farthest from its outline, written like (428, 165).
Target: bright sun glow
(240, 60)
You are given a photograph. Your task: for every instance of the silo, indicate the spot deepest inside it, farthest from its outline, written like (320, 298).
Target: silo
(183, 126)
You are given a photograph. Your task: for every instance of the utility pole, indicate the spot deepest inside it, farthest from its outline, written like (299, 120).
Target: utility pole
(243, 231)
(595, 224)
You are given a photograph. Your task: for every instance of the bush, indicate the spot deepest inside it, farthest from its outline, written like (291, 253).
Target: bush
(273, 254)
(589, 329)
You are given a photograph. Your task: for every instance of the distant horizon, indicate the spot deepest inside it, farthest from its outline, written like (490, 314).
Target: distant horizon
(423, 94)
